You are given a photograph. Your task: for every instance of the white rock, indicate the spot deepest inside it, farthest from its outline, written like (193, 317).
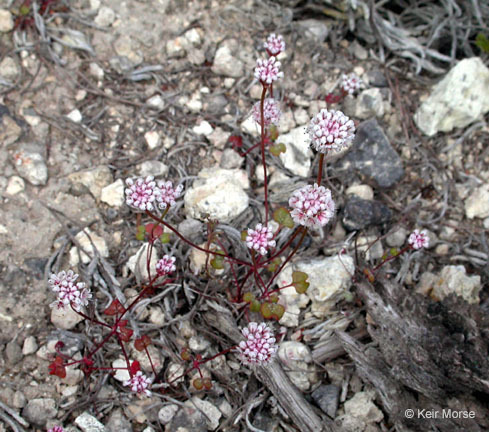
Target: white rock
(31, 166)
(96, 71)
(15, 185)
(113, 194)
(218, 194)
(477, 204)
(459, 99)
(75, 116)
(230, 159)
(361, 191)
(94, 179)
(91, 243)
(296, 359)
(297, 158)
(361, 407)
(120, 374)
(6, 21)
(9, 69)
(212, 413)
(177, 47)
(328, 277)
(88, 423)
(65, 318)
(203, 128)
(153, 139)
(369, 103)
(250, 126)
(30, 345)
(198, 343)
(193, 36)
(137, 263)
(166, 413)
(154, 168)
(156, 102)
(227, 65)
(105, 17)
(454, 279)
(194, 104)
(143, 359)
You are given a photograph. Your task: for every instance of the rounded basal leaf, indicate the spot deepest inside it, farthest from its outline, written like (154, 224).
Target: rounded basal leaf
(273, 131)
(277, 311)
(165, 238)
(272, 267)
(143, 342)
(217, 262)
(185, 354)
(282, 217)
(369, 275)
(244, 234)
(198, 384)
(298, 276)
(273, 298)
(207, 383)
(394, 252)
(301, 287)
(255, 306)
(276, 149)
(114, 308)
(248, 297)
(266, 310)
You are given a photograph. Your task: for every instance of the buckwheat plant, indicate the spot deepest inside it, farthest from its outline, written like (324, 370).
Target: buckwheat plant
(251, 267)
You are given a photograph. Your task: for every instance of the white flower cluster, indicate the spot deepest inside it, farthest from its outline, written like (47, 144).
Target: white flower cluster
(69, 291)
(143, 193)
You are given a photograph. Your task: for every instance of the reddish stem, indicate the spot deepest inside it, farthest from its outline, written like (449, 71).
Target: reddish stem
(262, 146)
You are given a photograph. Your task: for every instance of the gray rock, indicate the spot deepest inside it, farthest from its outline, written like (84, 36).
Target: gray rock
(296, 359)
(156, 102)
(13, 352)
(166, 413)
(118, 422)
(226, 64)
(397, 238)
(190, 228)
(88, 423)
(154, 168)
(94, 179)
(39, 411)
(314, 29)
(376, 78)
(459, 99)
(10, 131)
(113, 194)
(105, 17)
(65, 318)
(121, 64)
(31, 166)
(188, 418)
(230, 159)
(211, 412)
(19, 400)
(359, 213)
(361, 407)
(369, 103)
(327, 398)
(372, 155)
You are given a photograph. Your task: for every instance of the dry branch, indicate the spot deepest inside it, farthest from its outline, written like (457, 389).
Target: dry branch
(275, 380)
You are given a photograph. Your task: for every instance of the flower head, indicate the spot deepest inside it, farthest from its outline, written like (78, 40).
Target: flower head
(312, 206)
(56, 429)
(351, 83)
(260, 239)
(274, 44)
(68, 290)
(165, 265)
(141, 193)
(331, 130)
(167, 194)
(139, 383)
(258, 346)
(271, 112)
(267, 71)
(419, 239)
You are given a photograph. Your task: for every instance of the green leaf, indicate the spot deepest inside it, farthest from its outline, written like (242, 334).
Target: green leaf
(282, 216)
(274, 265)
(298, 276)
(482, 42)
(277, 149)
(165, 238)
(217, 262)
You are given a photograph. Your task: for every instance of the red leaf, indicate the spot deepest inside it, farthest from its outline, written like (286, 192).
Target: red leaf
(114, 308)
(57, 368)
(141, 343)
(236, 141)
(154, 231)
(134, 368)
(124, 332)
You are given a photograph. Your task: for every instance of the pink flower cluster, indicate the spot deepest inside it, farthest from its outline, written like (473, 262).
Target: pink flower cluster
(351, 83)
(139, 383)
(271, 112)
(165, 265)
(68, 290)
(419, 239)
(267, 71)
(56, 429)
(331, 130)
(258, 347)
(274, 44)
(142, 193)
(260, 239)
(312, 206)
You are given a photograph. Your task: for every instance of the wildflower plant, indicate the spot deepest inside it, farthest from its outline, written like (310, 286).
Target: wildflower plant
(252, 265)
